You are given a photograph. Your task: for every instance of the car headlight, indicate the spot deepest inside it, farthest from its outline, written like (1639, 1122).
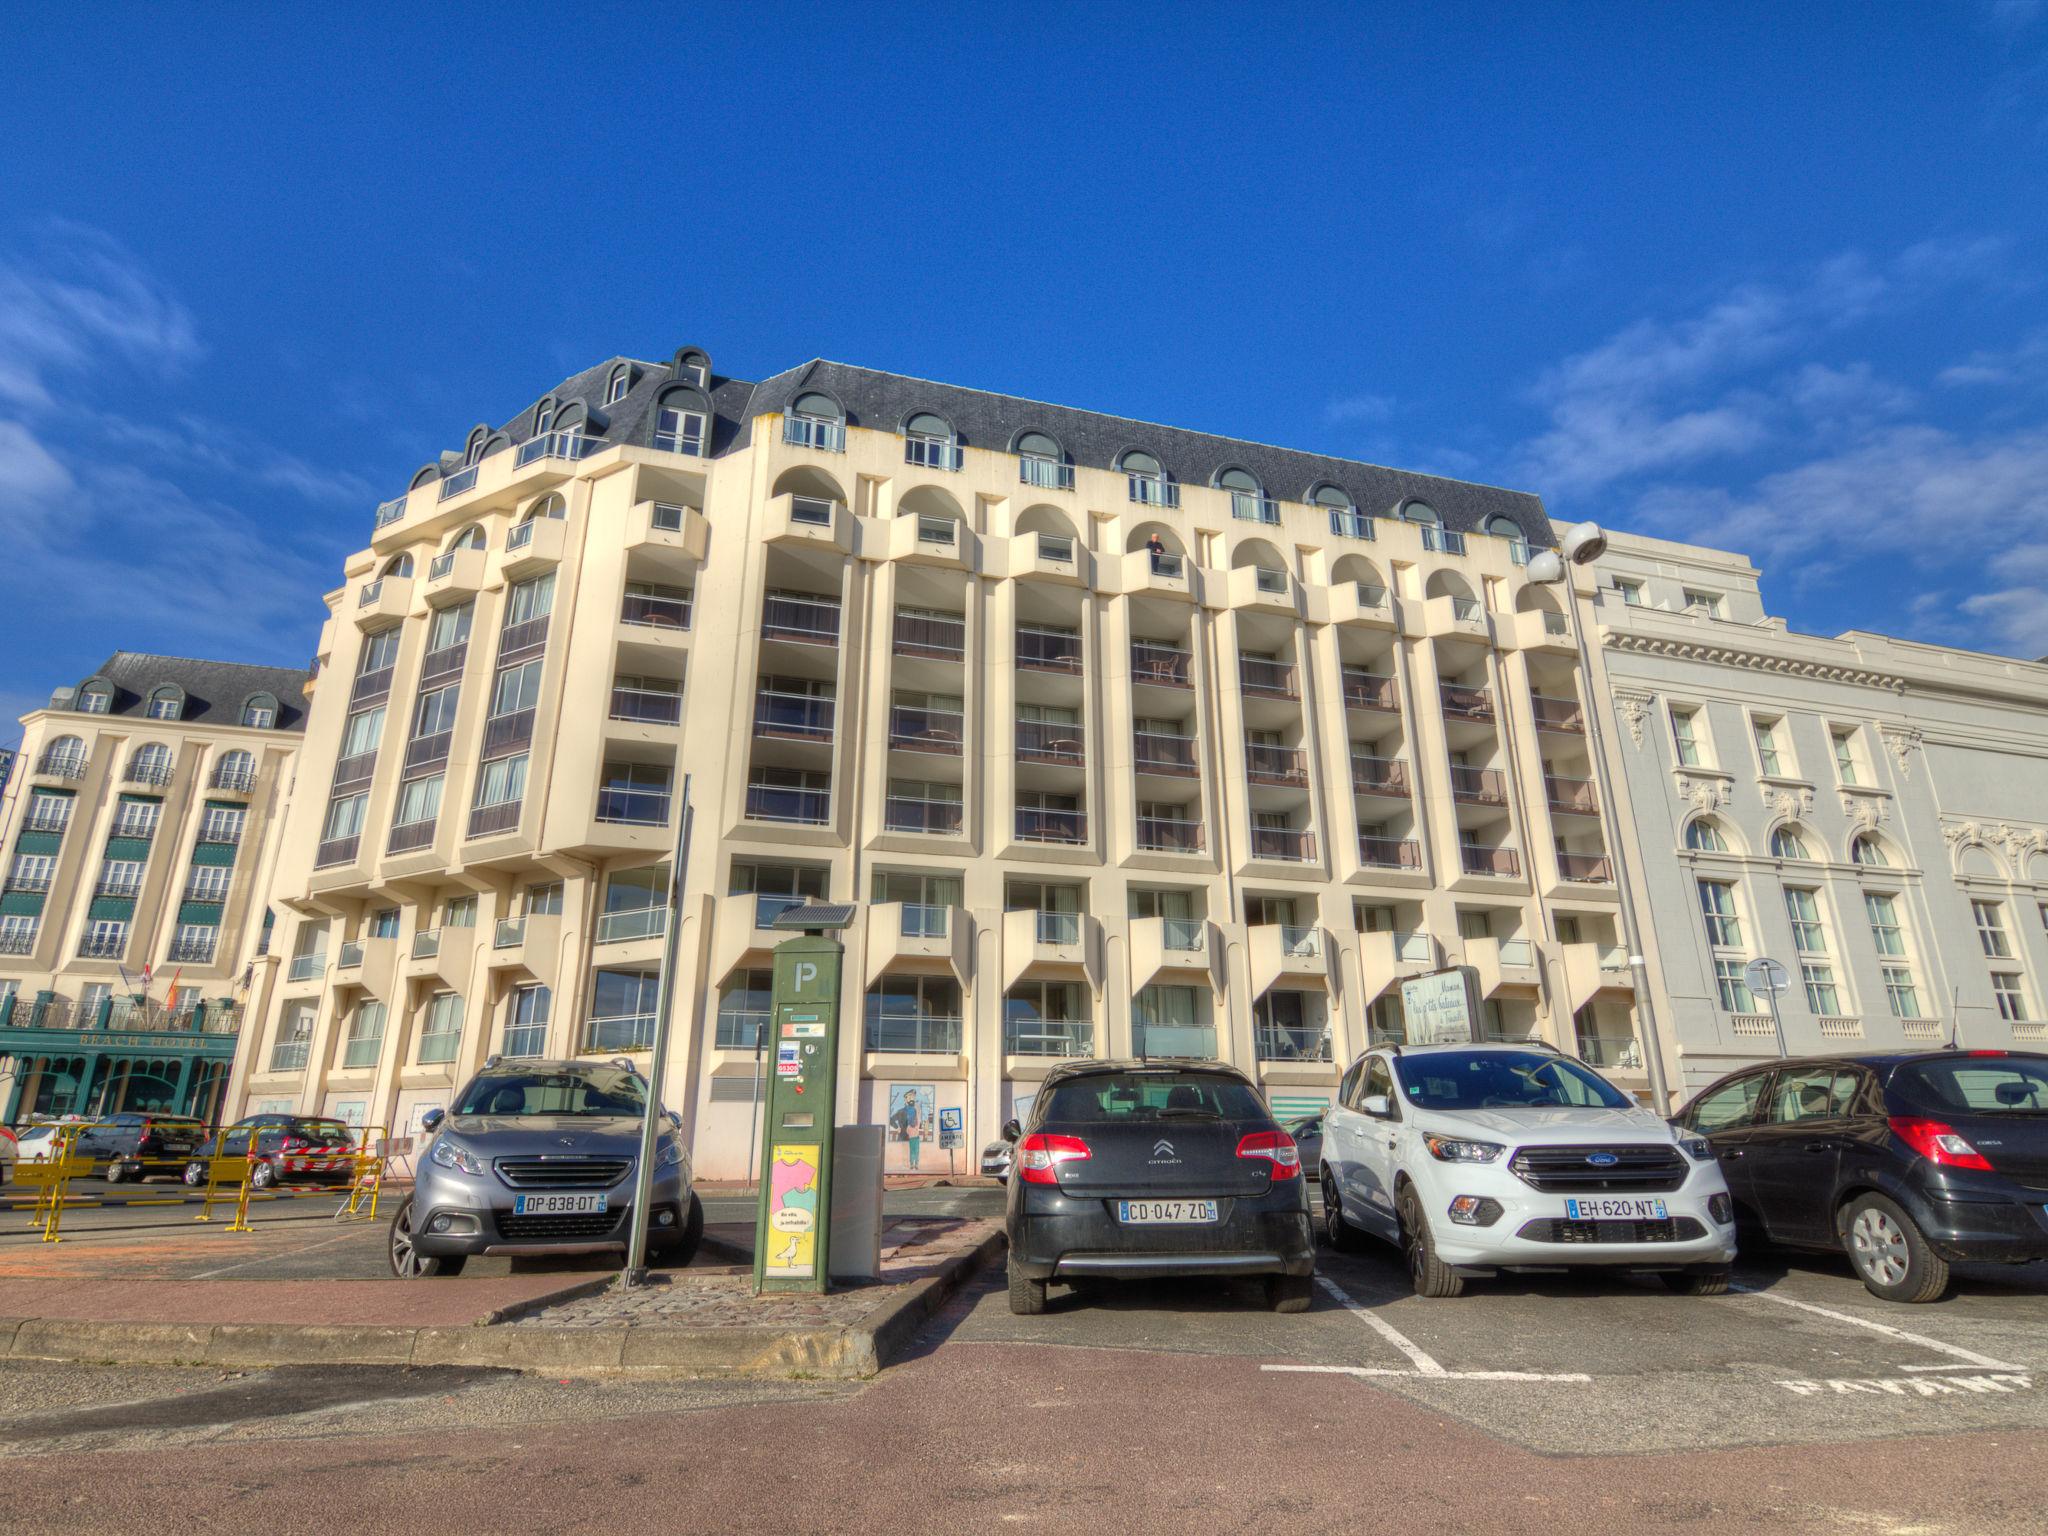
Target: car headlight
(1447, 1149)
(668, 1155)
(451, 1154)
(1698, 1148)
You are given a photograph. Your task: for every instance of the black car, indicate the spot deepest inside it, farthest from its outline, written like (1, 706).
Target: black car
(1909, 1163)
(139, 1146)
(284, 1145)
(1131, 1170)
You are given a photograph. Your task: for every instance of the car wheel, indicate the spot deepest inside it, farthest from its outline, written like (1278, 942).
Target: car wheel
(1337, 1229)
(407, 1262)
(1433, 1278)
(1027, 1296)
(195, 1174)
(265, 1177)
(1711, 1282)
(1290, 1293)
(116, 1171)
(1890, 1256)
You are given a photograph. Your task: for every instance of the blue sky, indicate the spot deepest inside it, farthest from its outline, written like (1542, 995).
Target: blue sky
(1763, 276)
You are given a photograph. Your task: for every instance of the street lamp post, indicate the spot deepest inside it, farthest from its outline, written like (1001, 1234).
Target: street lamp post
(1582, 546)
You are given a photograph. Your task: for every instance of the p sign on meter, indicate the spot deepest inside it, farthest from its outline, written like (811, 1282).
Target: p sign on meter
(793, 1227)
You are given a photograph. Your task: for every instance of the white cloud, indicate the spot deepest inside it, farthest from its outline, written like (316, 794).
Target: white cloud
(29, 475)
(1360, 408)
(80, 300)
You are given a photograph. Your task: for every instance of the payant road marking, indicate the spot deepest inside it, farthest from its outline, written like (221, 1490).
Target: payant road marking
(1953, 1351)
(1424, 1363)
(1952, 1385)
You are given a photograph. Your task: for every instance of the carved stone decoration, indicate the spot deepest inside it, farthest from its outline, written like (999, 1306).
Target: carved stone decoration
(1786, 803)
(2019, 842)
(1634, 709)
(1902, 739)
(1958, 834)
(1703, 794)
(1864, 813)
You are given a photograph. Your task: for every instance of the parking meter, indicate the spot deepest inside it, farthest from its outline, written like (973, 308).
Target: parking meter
(792, 1229)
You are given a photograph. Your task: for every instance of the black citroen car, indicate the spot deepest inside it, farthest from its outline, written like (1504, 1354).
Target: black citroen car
(1138, 1169)
(1909, 1163)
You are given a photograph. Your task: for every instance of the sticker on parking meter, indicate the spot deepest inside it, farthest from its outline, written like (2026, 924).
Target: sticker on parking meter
(787, 1062)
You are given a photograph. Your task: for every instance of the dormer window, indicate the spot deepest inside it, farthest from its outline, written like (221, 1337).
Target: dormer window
(167, 704)
(474, 452)
(259, 711)
(1147, 479)
(622, 380)
(1247, 497)
(1507, 528)
(815, 421)
(928, 441)
(543, 418)
(1043, 463)
(677, 430)
(95, 698)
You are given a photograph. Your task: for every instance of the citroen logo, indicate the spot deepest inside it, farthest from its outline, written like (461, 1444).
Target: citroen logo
(1162, 1147)
(567, 1141)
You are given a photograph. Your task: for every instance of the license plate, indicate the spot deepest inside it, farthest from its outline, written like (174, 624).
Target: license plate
(1159, 1213)
(557, 1205)
(1615, 1210)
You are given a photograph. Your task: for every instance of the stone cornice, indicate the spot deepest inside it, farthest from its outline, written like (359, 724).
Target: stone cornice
(1716, 653)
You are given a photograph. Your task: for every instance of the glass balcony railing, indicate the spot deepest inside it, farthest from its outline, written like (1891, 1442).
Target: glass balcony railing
(307, 967)
(556, 445)
(1389, 853)
(525, 636)
(1170, 755)
(632, 923)
(520, 536)
(814, 432)
(440, 566)
(1284, 766)
(804, 620)
(902, 813)
(654, 612)
(1298, 943)
(941, 531)
(1379, 775)
(646, 706)
(1063, 928)
(769, 906)
(1188, 1041)
(1250, 507)
(1271, 582)
(1445, 541)
(1168, 565)
(426, 944)
(633, 807)
(740, 1029)
(510, 933)
(1057, 548)
(457, 483)
(1043, 826)
(411, 836)
(1506, 862)
(1478, 786)
(664, 516)
(1291, 1042)
(811, 511)
(1048, 650)
(488, 820)
(289, 1055)
(774, 802)
(1167, 834)
(1048, 1037)
(1466, 703)
(1055, 742)
(1268, 679)
(1162, 666)
(426, 751)
(619, 1032)
(939, 731)
(1350, 525)
(932, 453)
(506, 734)
(919, 1035)
(336, 850)
(924, 921)
(1184, 935)
(936, 636)
(1574, 796)
(1046, 474)
(1554, 714)
(1153, 491)
(388, 512)
(1586, 868)
(1614, 1052)
(1289, 844)
(792, 716)
(1369, 690)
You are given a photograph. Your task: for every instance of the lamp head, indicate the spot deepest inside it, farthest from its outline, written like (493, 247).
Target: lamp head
(1585, 543)
(1546, 566)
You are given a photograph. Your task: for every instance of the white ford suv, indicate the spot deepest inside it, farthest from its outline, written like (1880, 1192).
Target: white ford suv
(1479, 1158)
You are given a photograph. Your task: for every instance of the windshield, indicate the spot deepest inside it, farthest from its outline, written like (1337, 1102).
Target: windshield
(1976, 1085)
(1135, 1098)
(599, 1091)
(324, 1130)
(1503, 1080)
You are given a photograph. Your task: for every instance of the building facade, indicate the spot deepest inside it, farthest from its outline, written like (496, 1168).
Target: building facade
(1870, 812)
(142, 825)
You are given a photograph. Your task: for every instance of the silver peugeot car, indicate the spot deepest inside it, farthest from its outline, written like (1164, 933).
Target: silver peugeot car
(537, 1157)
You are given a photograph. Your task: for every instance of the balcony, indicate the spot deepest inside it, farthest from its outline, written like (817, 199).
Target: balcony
(1283, 767)
(631, 923)
(1451, 614)
(649, 611)
(668, 531)
(1193, 1042)
(1167, 756)
(800, 620)
(1542, 630)
(388, 512)
(456, 484)
(1389, 852)
(156, 775)
(103, 946)
(1585, 868)
(913, 935)
(937, 731)
(1277, 952)
(1369, 690)
(194, 949)
(1506, 863)
(50, 814)
(61, 765)
(534, 546)
(1443, 541)
(1386, 957)
(383, 602)
(410, 837)
(1351, 525)
(1176, 944)
(117, 889)
(489, 820)
(1502, 963)
(349, 957)
(1036, 825)
(1478, 786)
(527, 638)
(29, 884)
(1361, 602)
(646, 706)
(815, 432)
(18, 941)
(572, 447)
(1162, 834)
(137, 826)
(913, 1035)
(1153, 491)
(1250, 507)
(1049, 556)
(225, 830)
(633, 807)
(1379, 776)
(780, 716)
(370, 686)
(426, 944)
(926, 539)
(1288, 845)
(1460, 703)
(505, 735)
(1261, 587)
(1592, 968)
(932, 636)
(1291, 1042)
(355, 770)
(1046, 474)
(1049, 944)
(232, 778)
(1158, 575)
(307, 967)
(808, 522)
(901, 813)
(614, 1032)
(428, 751)
(1048, 1037)
(1562, 716)
(1048, 650)
(797, 807)
(1161, 666)
(1266, 679)
(1058, 744)
(1572, 797)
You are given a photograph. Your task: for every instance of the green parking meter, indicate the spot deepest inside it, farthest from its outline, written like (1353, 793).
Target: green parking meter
(793, 1227)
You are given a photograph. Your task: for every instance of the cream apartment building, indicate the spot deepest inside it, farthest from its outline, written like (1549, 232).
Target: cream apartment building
(1125, 738)
(140, 834)
(1871, 812)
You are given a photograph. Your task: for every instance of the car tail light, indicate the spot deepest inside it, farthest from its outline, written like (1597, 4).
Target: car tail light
(1938, 1142)
(1039, 1156)
(1275, 1147)
(294, 1144)
(1987, 1053)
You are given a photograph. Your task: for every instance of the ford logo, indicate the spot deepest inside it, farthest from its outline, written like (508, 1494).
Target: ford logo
(1602, 1159)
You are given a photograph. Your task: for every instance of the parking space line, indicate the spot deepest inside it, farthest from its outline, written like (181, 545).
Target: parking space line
(1424, 1364)
(1439, 1374)
(272, 1258)
(1953, 1351)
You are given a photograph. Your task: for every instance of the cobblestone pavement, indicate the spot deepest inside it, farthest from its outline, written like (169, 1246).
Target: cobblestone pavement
(912, 1249)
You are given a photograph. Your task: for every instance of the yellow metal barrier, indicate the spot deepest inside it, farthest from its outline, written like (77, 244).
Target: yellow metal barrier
(53, 1178)
(367, 1183)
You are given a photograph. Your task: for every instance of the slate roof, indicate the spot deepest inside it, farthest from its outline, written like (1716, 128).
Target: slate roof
(214, 690)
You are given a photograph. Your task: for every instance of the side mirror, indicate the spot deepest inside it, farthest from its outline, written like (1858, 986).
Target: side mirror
(675, 1121)
(431, 1120)
(1378, 1106)
(1012, 1130)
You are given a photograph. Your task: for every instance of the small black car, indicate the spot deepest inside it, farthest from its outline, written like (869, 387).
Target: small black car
(1909, 1163)
(1138, 1169)
(283, 1143)
(139, 1146)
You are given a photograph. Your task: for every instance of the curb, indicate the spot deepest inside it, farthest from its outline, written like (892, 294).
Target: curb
(851, 1353)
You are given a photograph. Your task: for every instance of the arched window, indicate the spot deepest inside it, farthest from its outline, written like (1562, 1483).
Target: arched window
(398, 565)
(1248, 499)
(543, 417)
(1786, 843)
(1345, 518)
(928, 440)
(1332, 496)
(622, 380)
(235, 770)
(1147, 480)
(65, 756)
(151, 764)
(1420, 512)
(815, 421)
(1042, 462)
(96, 697)
(551, 505)
(1445, 541)
(1507, 528)
(167, 703)
(259, 711)
(1702, 836)
(693, 368)
(1869, 852)
(477, 438)
(471, 537)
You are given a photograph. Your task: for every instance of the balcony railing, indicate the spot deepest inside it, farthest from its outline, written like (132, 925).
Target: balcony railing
(1554, 714)
(811, 511)
(1490, 861)
(619, 1032)
(1250, 507)
(1056, 547)
(792, 716)
(1289, 844)
(371, 686)
(769, 906)
(1060, 928)
(440, 566)
(486, 820)
(388, 512)
(1589, 868)
(556, 445)
(1574, 796)
(633, 923)
(358, 768)
(653, 612)
(1048, 650)
(1301, 943)
(1271, 582)
(139, 826)
(1045, 474)
(372, 590)
(1169, 565)
(103, 946)
(1048, 1037)
(290, 1055)
(1043, 826)
(307, 967)
(232, 777)
(1478, 786)
(509, 934)
(1369, 690)
(1389, 852)
(646, 706)
(462, 480)
(1166, 834)
(194, 949)
(664, 516)
(924, 920)
(1268, 679)
(773, 802)
(1379, 775)
(1172, 755)
(740, 1029)
(28, 883)
(804, 620)
(349, 956)
(118, 889)
(157, 774)
(1466, 703)
(1151, 491)
(941, 639)
(917, 1035)
(1054, 742)
(926, 730)
(1264, 764)
(62, 765)
(1184, 935)
(1161, 665)
(1465, 610)
(41, 820)
(903, 814)
(1350, 525)
(517, 639)
(426, 944)
(1291, 1042)
(633, 807)
(224, 830)
(931, 452)
(814, 432)
(425, 751)
(410, 837)
(1186, 1041)
(1611, 1051)
(1445, 541)
(18, 941)
(932, 529)
(507, 734)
